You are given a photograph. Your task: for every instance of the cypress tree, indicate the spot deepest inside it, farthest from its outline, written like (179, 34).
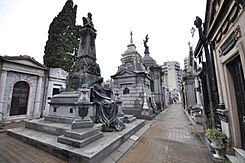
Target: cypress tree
(63, 39)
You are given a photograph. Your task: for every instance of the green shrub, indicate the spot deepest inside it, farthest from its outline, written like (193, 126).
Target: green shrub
(216, 134)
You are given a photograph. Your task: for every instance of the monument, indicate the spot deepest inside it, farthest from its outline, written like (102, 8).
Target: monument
(85, 70)
(132, 81)
(78, 118)
(155, 74)
(86, 101)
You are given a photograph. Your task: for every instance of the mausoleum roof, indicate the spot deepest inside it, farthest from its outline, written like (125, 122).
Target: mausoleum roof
(148, 61)
(23, 60)
(131, 50)
(131, 60)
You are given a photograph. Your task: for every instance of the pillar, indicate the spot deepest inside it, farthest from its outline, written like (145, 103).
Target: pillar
(3, 80)
(37, 110)
(198, 94)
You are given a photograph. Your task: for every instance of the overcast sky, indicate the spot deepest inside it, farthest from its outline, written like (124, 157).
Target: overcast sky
(24, 27)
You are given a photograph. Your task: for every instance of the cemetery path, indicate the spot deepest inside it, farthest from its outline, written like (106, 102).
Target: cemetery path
(15, 151)
(171, 138)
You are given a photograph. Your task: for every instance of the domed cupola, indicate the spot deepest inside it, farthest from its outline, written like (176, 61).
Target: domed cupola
(131, 59)
(147, 60)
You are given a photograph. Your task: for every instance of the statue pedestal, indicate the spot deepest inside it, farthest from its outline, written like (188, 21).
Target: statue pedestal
(146, 110)
(80, 123)
(76, 80)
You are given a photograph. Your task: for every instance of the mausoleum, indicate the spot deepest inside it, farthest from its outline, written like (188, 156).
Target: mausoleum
(132, 82)
(22, 83)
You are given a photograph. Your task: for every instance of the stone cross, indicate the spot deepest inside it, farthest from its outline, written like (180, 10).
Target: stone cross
(131, 38)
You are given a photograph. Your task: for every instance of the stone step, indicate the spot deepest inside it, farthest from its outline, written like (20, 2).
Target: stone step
(129, 120)
(128, 116)
(50, 128)
(121, 118)
(82, 124)
(79, 143)
(91, 153)
(81, 134)
(232, 159)
(240, 154)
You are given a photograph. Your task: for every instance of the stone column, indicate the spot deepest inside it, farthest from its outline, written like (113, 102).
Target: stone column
(197, 88)
(3, 79)
(37, 110)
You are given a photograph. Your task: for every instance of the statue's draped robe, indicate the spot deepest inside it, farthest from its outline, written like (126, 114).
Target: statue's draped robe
(107, 109)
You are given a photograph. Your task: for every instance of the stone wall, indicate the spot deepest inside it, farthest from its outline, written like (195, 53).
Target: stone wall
(134, 99)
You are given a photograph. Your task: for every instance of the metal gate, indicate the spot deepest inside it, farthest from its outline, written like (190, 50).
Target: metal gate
(19, 98)
(235, 69)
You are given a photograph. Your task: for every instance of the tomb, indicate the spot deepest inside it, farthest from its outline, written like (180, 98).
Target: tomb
(83, 124)
(132, 82)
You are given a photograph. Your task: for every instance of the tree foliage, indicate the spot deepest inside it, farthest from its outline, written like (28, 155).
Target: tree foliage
(63, 39)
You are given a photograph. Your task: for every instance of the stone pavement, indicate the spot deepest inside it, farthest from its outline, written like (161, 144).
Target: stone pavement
(15, 151)
(171, 139)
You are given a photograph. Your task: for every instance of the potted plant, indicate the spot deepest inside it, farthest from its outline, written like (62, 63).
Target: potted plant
(218, 141)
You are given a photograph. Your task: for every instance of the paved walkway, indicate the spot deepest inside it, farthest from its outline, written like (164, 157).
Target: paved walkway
(15, 151)
(171, 139)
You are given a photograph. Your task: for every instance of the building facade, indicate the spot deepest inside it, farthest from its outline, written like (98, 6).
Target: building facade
(56, 84)
(22, 87)
(228, 48)
(172, 78)
(222, 38)
(171, 75)
(26, 87)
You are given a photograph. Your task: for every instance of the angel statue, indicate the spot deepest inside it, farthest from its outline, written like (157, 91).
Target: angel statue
(145, 45)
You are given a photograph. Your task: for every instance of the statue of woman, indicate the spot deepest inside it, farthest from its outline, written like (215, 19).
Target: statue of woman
(107, 110)
(145, 45)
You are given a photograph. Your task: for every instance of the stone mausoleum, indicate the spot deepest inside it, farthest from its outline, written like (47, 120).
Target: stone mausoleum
(22, 85)
(156, 81)
(26, 87)
(132, 82)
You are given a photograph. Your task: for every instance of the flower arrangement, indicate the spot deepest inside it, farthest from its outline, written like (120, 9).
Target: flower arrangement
(216, 135)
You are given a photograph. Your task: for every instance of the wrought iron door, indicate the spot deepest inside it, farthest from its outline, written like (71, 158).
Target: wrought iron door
(235, 69)
(19, 98)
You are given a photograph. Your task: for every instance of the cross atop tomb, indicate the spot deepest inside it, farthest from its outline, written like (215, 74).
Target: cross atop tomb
(131, 37)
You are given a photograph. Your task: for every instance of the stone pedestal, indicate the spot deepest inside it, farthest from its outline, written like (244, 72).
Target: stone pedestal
(80, 138)
(80, 123)
(146, 109)
(85, 69)
(119, 104)
(81, 75)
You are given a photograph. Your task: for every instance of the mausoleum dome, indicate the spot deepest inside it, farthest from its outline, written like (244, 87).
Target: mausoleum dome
(131, 50)
(148, 61)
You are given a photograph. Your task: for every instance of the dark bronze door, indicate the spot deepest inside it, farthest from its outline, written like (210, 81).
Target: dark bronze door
(19, 98)
(235, 69)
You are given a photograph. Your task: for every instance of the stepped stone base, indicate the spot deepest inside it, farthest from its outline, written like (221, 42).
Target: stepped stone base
(138, 113)
(53, 128)
(82, 124)
(129, 118)
(59, 119)
(77, 142)
(46, 139)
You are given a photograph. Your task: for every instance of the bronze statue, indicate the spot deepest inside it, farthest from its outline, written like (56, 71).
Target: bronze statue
(145, 45)
(88, 20)
(107, 108)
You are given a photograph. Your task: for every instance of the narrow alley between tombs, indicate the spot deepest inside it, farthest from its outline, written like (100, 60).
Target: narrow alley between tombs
(171, 138)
